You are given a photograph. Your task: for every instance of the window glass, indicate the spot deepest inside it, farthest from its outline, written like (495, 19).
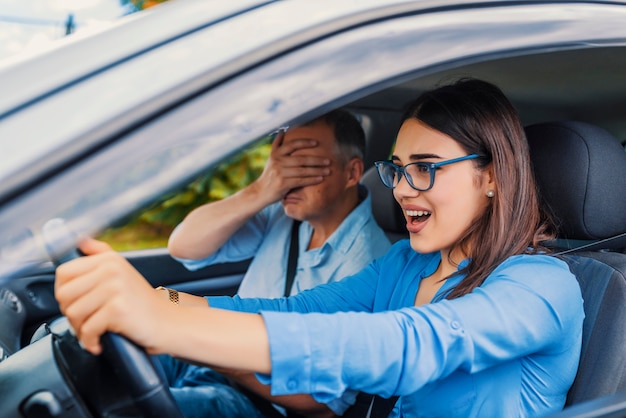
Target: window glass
(151, 227)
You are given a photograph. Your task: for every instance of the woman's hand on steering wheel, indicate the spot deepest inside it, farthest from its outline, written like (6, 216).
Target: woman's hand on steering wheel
(103, 292)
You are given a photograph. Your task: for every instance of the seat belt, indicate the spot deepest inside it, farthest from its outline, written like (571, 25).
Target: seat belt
(367, 406)
(614, 241)
(370, 406)
(292, 261)
(262, 404)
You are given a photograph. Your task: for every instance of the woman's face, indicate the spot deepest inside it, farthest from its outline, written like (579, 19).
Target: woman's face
(437, 218)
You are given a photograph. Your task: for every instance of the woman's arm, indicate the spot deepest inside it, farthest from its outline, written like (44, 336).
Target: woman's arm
(355, 293)
(102, 292)
(528, 306)
(184, 299)
(531, 304)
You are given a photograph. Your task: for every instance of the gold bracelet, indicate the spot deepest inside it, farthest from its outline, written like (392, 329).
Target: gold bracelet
(173, 294)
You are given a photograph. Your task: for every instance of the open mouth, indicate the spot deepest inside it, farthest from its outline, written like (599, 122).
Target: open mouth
(417, 215)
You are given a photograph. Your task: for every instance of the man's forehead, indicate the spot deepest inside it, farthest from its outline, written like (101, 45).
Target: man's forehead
(322, 133)
(319, 131)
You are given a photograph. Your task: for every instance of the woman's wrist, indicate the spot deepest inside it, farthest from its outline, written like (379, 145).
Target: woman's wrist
(180, 298)
(172, 294)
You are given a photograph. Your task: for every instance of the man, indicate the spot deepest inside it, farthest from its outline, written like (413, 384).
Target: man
(311, 176)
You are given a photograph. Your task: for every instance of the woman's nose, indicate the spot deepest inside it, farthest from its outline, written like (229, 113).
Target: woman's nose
(403, 189)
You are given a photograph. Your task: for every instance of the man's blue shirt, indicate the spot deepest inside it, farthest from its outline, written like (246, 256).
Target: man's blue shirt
(356, 242)
(509, 348)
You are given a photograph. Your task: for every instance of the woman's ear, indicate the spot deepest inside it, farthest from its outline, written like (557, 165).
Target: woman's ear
(490, 181)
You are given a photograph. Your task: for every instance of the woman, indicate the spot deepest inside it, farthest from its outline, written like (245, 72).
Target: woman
(469, 317)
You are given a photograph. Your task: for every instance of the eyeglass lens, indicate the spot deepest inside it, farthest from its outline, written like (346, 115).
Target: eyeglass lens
(418, 175)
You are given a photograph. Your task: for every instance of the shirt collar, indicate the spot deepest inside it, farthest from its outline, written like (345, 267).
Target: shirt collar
(343, 237)
(451, 283)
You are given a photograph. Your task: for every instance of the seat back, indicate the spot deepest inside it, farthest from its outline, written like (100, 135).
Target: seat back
(385, 209)
(602, 368)
(581, 175)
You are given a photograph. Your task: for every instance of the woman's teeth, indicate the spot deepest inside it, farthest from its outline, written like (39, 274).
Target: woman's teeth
(417, 213)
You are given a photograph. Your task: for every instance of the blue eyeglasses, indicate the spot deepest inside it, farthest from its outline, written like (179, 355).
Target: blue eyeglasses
(420, 175)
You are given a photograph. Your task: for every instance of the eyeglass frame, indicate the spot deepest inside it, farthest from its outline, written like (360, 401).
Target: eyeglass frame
(432, 167)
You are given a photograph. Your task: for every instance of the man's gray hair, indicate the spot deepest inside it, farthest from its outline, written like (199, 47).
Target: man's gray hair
(349, 134)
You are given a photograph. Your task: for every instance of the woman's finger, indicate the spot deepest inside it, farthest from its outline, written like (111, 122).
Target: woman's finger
(72, 294)
(90, 246)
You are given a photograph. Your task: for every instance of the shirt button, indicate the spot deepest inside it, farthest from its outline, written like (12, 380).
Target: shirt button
(455, 325)
(291, 385)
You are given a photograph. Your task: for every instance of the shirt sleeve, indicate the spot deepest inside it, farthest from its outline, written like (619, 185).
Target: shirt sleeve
(242, 245)
(354, 293)
(524, 307)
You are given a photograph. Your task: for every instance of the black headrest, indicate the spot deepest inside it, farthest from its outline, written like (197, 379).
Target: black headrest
(385, 209)
(581, 174)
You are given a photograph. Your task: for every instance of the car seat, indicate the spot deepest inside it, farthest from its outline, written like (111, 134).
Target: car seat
(580, 171)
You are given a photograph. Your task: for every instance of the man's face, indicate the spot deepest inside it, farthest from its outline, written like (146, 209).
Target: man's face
(317, 202)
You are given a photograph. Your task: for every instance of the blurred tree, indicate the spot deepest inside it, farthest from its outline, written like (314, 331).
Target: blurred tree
(224, 180)
(151, 226)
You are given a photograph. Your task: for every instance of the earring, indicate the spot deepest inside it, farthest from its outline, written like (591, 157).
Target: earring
(490, 193)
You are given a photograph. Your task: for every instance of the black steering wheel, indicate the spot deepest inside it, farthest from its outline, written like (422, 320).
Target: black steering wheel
(135, 370)
(138, 374)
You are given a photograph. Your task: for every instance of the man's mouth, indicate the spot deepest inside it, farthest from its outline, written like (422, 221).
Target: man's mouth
(291, 196)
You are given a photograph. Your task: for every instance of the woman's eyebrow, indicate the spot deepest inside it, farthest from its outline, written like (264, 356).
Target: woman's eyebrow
(417, 157)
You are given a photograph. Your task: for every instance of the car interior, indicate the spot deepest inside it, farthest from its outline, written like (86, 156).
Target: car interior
(568, 134)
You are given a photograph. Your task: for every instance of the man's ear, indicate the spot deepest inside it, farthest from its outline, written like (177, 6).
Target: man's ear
(354, 171)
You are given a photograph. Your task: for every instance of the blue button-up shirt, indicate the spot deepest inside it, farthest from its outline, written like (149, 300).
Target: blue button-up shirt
(509, 348)
(266, 236)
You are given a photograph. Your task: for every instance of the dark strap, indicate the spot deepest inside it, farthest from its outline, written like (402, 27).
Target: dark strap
(611, 242)
(370, 406)
(292, 261)
(366, 405)
(382, 407)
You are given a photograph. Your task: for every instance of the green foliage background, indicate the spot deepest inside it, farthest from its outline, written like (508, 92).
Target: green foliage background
(151, 227)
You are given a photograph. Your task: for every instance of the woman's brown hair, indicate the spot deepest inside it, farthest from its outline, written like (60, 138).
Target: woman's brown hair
(481, 119)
